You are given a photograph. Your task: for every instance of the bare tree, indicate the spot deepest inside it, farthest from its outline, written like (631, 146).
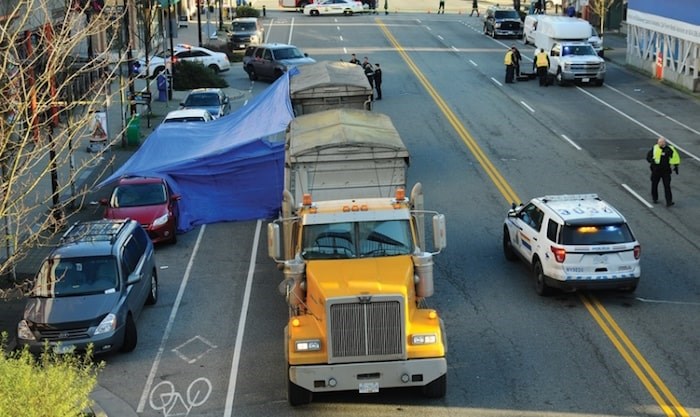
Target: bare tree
(600, 8)
(56, 67)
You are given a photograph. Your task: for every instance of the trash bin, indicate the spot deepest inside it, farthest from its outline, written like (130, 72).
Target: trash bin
(133, 130)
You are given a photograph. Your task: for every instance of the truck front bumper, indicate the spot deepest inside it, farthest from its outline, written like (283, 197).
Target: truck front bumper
(368, 377)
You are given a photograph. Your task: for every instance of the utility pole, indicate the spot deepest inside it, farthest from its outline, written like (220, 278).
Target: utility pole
(129, 59)
(221, 16)
(172, 51)
(199, 21)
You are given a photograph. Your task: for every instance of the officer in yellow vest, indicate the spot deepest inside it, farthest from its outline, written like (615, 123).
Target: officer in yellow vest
(542, 65)
(663, 158)
(510, 69)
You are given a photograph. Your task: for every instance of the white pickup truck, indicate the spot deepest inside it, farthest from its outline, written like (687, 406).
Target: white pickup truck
(572, 58)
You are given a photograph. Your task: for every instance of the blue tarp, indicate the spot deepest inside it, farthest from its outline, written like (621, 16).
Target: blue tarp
(225, 170)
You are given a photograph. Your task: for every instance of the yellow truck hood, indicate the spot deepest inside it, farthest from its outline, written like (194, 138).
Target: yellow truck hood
(349, 277)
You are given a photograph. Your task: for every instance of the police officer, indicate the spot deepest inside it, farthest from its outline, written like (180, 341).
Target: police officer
(662, 159)
(510, 69)
(542, 65)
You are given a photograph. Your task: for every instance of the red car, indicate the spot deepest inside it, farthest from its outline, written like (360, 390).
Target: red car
(150, 201)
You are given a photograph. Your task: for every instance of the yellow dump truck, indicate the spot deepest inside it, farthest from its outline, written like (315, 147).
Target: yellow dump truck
(357, 270)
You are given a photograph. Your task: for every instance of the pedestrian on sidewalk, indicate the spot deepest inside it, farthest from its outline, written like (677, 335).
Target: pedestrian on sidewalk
(441, 7)
(475, 8)
(508, 61)
(378, 80)
(663, 158)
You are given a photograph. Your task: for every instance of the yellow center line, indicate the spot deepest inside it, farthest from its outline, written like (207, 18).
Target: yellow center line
(651, 381)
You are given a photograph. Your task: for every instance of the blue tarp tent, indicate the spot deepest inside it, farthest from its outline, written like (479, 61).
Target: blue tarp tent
(228, 169)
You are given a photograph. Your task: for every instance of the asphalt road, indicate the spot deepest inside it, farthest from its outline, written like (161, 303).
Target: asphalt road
(213, 346)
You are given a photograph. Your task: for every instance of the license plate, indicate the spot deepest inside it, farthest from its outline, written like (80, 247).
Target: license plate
(585, 80)
(63, 349)
(241, 45)
(369, 387)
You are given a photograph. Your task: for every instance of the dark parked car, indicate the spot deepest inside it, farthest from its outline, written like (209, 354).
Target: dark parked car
(272, 60)
(91, 289)
(148, 200)
(214, 100)
(502, 21)
(245, 31)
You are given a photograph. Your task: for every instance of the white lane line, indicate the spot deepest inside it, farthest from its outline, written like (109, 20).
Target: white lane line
(627, 96)
(680, 303)
(441, 38)
(473, 63)
(291, 31)
(169, 326)
(640, 124)
(566, 138)
(637, 196)
(233, 376)
(454, 49)
(428, 27)
(496, 81)
(527, 107)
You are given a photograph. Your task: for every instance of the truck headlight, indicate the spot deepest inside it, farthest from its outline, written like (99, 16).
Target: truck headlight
(423, 339)
(497, 25)
(307, 345)
(108, 324)
(24, 332)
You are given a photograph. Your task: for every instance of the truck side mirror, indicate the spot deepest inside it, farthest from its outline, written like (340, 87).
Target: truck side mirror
(274, 249)
(439, 232)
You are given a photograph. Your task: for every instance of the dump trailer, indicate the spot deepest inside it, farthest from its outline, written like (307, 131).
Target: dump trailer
(344, 152)
(329, 85)
(357, 275)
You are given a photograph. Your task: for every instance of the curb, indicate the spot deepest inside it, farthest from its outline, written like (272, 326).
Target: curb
(106, 404)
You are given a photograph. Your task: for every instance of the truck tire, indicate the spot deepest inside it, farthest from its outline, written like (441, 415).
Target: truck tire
(437, 388)
(541, 286)
(508, 250)
(297, 395)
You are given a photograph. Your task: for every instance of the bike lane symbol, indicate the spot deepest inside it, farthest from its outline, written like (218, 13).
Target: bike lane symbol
(165, 398)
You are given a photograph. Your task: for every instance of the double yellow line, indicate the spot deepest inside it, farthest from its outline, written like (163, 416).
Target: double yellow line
(651, 381)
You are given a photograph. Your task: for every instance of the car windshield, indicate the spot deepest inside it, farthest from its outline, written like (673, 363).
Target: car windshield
(134, 195)
(596, 234)
(578, 50)
(507, 14)
(60, 277)
(203, 99)
(357, 239)
(243, 26)
(288, 53)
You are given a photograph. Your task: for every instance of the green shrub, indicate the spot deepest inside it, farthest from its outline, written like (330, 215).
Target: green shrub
(47, 386)
(188, 75)
(247, 11)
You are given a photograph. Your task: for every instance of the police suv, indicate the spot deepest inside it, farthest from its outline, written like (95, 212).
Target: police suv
(573, 242)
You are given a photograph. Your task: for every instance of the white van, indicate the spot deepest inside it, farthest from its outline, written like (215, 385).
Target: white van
(529, 27)
(571, 56)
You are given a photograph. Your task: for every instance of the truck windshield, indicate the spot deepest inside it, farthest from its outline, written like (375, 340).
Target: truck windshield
(357, 239)
(578, 50)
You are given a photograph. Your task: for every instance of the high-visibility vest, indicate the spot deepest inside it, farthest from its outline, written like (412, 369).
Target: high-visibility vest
(675, 158)
(542, 60)
(509, 58)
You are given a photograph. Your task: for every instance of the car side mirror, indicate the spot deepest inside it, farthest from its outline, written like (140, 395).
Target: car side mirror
(104, 201)
(133, 278)
(175, 197)
(182, 104)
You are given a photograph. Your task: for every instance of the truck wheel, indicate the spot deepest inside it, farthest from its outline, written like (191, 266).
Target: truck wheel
(559, 78)
(297, 395)
(437, 388)
(541, 286)
(130, 335)
(599, 83)
(508, 250)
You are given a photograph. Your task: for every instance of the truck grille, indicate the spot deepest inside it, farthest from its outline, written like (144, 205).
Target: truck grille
(510, 26)
(591, 68)
(366, 331)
